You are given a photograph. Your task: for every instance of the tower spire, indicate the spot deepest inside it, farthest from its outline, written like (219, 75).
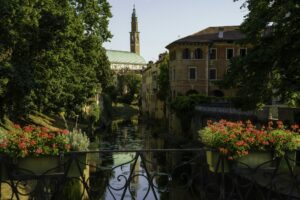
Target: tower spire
(133, 11)
(134, 34)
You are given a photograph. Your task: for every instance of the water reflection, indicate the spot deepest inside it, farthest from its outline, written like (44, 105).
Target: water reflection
(134, 136)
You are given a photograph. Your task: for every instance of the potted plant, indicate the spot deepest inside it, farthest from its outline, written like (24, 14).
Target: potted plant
(247, 145)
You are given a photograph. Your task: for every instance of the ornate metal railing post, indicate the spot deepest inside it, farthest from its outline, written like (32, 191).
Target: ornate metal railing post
(150, 181)
(127, 186)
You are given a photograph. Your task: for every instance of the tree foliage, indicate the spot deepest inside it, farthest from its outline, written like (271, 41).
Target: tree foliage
(272, 66)
(163, 79)
(51, 54)
(129, 84)
(184, 108)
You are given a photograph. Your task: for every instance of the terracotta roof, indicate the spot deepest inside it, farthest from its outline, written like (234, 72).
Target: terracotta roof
(211, 34)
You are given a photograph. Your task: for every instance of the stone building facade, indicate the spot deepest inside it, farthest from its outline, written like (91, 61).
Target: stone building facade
(152, 106)
(199, 60)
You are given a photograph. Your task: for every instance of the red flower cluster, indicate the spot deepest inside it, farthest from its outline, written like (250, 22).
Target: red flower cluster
(236, 139)
(33, 140)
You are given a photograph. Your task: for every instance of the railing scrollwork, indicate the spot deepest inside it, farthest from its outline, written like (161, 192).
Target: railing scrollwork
(150, 174)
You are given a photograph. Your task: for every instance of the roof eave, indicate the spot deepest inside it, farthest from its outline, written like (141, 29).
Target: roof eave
(129, 63)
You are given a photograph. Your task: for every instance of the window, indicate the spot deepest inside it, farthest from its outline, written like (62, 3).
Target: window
(173, 74)
(173, 55)
(243, 51)
(192, 73)
(212, 74)
(186, 54)
(213, 54)
(198, 53)
(229, 54)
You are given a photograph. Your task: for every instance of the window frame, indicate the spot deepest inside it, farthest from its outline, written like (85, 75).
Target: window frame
(246, 51)
(186, 51)
(201, 55)
(189, 73)
(227, 53)
(216, 54)
(216, 74)
(173, 55)
(173, 74)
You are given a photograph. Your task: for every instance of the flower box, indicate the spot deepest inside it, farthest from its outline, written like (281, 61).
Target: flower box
(42, 165)
(3, 173)
(213, 157)
(71, 160)
(256, 159)
(248, 145)
(283, 165)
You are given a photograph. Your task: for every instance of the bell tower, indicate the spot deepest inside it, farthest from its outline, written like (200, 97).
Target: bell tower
(134, 34)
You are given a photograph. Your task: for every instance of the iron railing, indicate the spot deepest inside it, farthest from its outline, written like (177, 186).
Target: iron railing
(150, 174)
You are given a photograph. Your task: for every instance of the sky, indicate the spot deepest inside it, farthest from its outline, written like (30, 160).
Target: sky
(164, 21)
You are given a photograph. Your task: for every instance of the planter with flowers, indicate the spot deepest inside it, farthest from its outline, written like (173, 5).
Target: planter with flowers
(244, 145)
(36, 150)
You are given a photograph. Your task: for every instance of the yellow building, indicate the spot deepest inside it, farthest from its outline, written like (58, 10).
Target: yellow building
(151, 104)
(199, 60)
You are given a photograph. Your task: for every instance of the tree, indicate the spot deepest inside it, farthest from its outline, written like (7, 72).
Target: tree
(272, 66)
(51, 54)
(129, 84)
(163, 79)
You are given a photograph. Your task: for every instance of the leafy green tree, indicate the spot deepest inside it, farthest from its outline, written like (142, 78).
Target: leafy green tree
(129, 84)
(163, 79)
(51, 54)
(133, 82)
(272, 66)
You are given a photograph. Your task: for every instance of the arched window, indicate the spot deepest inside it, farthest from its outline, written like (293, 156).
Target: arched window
(186, 54)
(173, 55)
(198, 53)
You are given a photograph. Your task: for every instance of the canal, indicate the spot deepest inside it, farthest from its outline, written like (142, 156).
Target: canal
(115, 168)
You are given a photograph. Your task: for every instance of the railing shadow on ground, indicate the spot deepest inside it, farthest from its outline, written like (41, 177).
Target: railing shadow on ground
(150, 174)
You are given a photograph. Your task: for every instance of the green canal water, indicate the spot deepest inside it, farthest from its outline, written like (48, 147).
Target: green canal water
(136, 136)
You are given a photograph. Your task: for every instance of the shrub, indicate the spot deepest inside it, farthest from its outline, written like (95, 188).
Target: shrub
(79, 141)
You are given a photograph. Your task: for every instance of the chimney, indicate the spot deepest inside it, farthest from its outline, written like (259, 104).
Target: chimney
(221, 32)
